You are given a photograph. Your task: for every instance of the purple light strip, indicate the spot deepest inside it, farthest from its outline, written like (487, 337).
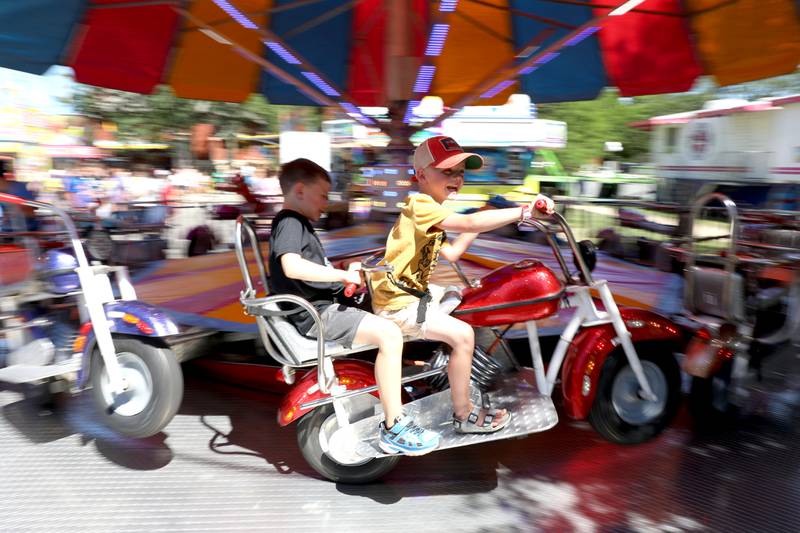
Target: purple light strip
(547, 58)
(321, 84)
(424, 78)
(350, 108)
(282, 52)
(437, 39)
(527, 70)
(448, 6)
(353, 110)
(236, 15)
(497, 89)
(410, 110)
(572, 41)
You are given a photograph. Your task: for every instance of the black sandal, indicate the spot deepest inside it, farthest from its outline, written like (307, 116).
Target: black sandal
(470, 424)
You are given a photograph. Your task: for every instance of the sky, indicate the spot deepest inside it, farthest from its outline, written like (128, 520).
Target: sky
(43, 92)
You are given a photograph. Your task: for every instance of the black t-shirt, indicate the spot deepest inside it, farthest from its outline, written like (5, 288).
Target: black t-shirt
(293, 233)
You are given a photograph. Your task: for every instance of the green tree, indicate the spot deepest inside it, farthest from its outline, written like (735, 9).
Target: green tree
(163, 117)
(608, 118)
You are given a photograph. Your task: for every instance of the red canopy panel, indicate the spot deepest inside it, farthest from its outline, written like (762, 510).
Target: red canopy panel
(124, 48)
(367, 69)
(367, 53)
(648, 53)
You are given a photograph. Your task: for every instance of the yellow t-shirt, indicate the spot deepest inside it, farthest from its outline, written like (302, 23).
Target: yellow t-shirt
(413, 250)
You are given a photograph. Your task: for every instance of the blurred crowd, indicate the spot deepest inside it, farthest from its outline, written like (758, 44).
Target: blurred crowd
(101, 190)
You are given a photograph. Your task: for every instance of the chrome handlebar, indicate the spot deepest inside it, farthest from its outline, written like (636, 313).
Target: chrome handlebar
(573, 244)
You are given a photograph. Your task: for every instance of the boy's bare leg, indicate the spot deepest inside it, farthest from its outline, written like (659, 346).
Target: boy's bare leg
(461, 338)
(386, 335)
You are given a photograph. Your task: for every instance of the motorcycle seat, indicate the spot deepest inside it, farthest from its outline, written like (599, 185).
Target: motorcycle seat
(295, 348)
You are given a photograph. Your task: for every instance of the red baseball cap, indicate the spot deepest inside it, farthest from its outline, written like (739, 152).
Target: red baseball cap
(444, 152)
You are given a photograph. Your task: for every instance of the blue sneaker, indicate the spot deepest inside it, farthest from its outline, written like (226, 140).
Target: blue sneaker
(407, 438)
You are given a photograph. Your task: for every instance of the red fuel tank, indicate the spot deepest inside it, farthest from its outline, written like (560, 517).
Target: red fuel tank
(526, 290)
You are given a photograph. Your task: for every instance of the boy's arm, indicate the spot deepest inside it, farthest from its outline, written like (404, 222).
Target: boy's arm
(295, 267)
(490, 219)
(453, 251)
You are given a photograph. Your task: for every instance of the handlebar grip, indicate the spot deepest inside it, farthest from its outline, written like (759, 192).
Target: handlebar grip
(541, 206)
(350, 289)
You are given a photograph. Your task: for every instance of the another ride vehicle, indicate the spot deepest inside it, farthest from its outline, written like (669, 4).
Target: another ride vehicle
(63, 326)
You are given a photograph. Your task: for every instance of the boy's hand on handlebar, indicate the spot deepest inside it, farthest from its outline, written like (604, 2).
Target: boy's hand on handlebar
(541, 205)
(352, 277)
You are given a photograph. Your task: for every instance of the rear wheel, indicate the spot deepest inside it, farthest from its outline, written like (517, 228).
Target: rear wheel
(154, 393)
(620, 413)
(314, 432)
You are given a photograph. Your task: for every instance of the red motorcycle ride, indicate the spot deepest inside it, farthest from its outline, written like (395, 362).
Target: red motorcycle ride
(616, 366)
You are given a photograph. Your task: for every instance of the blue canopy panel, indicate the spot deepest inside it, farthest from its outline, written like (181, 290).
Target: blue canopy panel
(577, 73)
(34, 34)
(325, 46)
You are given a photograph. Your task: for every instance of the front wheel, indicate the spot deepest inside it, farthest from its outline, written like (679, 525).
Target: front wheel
(620, 413)
(154, 392)
(314, 432)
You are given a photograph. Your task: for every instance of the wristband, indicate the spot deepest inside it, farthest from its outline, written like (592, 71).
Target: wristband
(525, 213)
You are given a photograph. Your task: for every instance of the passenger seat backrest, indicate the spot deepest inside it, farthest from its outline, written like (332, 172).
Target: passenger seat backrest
(715, 292)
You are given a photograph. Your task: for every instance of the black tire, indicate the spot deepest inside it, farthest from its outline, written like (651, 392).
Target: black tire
(609, 419)
(156, 388)
(708, 405)
(100, 245)
(308, 439)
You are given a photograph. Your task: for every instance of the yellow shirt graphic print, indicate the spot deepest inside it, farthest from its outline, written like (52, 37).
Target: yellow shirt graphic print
(412, 248)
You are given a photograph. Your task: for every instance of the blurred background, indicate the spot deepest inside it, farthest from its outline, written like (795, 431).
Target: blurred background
(666, 131)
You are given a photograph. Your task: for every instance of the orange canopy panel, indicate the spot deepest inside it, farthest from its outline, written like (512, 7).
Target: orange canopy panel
(478, 45)
(204, 66)
(748, 39)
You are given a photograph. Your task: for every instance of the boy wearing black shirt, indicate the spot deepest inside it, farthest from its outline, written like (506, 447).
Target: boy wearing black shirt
(298, 266)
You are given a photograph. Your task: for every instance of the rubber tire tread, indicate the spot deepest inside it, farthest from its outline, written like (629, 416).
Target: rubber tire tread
(604, 418)
(308, 441)
(167, 389)
(706, 416)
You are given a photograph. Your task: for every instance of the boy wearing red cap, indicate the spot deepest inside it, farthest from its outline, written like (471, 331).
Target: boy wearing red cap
(413, 248)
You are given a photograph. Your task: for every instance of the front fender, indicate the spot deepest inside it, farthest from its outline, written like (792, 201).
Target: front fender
(352, 374)
(590, 348)
(127, 317)
(132, 317)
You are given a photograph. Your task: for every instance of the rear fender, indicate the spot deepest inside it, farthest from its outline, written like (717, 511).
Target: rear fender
(353, 374)
(590, 348)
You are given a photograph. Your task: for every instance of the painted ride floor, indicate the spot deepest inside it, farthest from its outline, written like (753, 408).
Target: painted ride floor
(223, 464)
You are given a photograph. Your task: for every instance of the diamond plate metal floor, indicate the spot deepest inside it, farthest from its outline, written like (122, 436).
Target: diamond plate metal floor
(224, 465)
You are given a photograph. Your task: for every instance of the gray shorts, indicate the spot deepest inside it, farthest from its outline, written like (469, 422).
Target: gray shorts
(340, 323)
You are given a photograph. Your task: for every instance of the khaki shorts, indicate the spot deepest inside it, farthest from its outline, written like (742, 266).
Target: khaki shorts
(406, 317)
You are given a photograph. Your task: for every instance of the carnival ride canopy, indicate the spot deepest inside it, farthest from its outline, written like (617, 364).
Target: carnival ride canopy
(372, 52)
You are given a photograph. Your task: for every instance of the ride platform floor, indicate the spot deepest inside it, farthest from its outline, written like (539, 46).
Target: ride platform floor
(223, 464)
